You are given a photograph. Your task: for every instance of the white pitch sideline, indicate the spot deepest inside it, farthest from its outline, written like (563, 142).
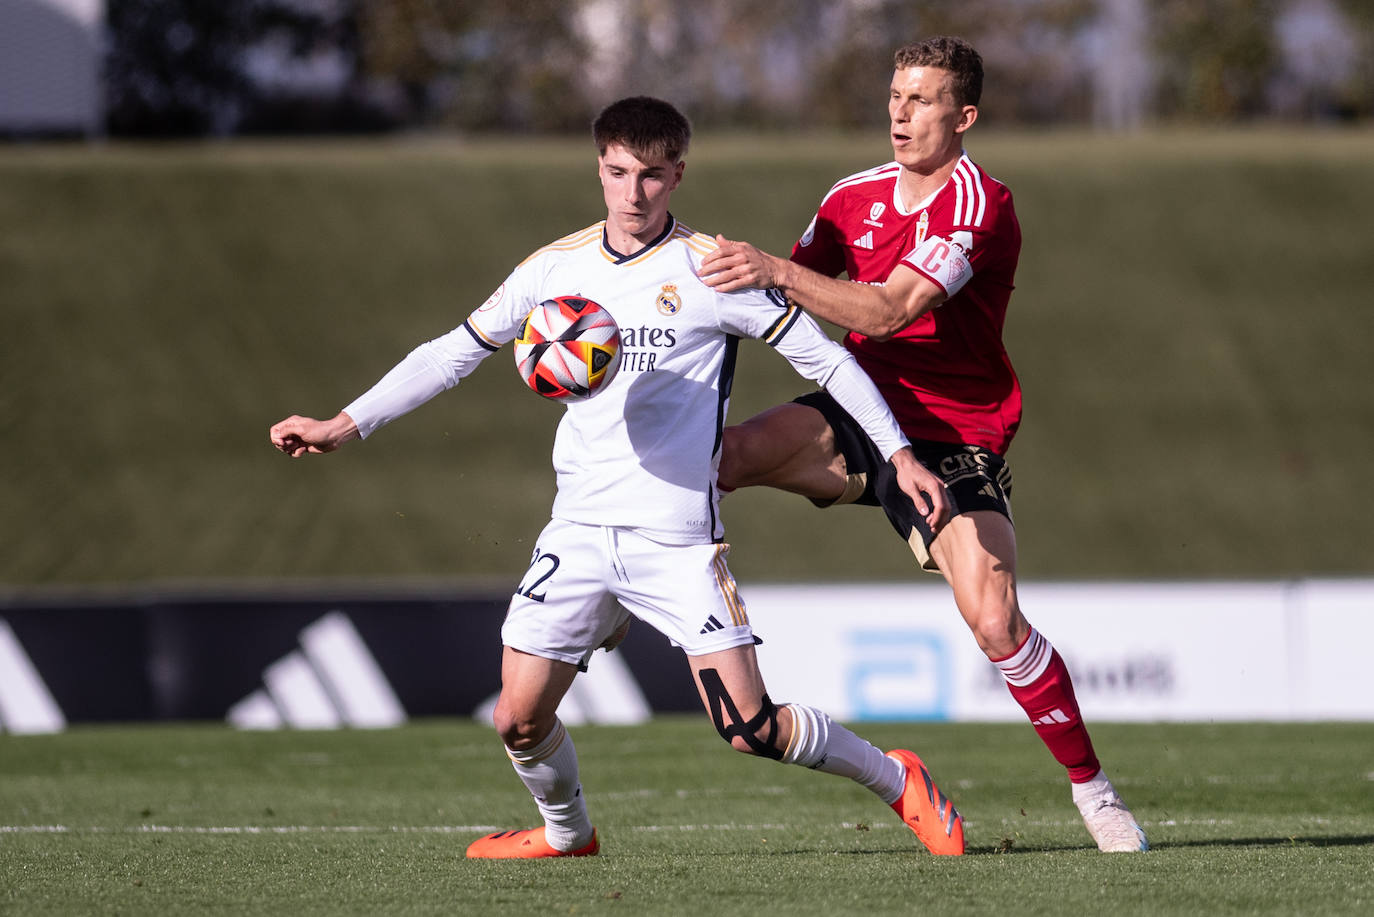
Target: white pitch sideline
(344, 829)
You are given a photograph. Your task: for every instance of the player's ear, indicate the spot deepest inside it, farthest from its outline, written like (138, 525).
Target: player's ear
(967, 116)
(677, 173)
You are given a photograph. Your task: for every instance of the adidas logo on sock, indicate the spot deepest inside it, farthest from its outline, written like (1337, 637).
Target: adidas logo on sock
(1049, 719)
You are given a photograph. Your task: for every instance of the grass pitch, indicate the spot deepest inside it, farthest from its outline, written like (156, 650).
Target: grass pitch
(1244, 819)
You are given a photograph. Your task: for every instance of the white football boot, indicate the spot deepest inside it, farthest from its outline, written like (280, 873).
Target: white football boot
(1108, 820)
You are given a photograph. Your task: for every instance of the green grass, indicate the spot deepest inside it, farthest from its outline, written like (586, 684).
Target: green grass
(1191, 327)
(1244, 819)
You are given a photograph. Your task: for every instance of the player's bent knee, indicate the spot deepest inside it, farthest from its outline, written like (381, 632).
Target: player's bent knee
(735, 461)
(750, 747)
(999, 635)
(518, 732)
(757, 735)
(752, 452)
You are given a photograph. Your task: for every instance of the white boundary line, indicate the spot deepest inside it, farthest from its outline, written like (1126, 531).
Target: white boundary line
(484, 829)
(341, 829)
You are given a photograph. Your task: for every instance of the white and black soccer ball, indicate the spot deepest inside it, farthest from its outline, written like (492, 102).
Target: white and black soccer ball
(568, 348)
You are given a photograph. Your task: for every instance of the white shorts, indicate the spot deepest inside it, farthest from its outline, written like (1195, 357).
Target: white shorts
(570, 598)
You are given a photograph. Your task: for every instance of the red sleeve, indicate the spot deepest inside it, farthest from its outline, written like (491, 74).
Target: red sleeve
(997, 242)
(820, 248)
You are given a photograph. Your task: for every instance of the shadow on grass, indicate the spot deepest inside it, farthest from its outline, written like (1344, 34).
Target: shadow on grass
(1347, 840)
(1007, 846)
(1350, 840)
(993, 850)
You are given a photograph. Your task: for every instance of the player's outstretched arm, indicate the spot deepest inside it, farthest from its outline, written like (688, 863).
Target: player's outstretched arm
(297, 436)
(919, 483)
(874, 310)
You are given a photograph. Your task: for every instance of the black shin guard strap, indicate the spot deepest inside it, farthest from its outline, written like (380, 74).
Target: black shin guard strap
(721, 705)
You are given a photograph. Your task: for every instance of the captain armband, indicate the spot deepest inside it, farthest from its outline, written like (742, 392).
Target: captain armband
(944, 262)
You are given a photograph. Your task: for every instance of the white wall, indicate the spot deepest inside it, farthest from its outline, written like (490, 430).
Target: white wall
(1137, 651)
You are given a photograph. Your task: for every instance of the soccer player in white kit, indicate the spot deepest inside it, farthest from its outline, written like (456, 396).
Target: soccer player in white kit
(635, 524)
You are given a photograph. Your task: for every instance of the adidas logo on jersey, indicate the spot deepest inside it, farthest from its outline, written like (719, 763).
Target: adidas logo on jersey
(864, 241)
(712, 625)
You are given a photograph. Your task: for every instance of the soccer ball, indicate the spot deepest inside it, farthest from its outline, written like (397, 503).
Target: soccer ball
(568, 348)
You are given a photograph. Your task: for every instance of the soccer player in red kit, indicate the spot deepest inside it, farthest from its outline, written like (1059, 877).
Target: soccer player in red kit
(929, 243)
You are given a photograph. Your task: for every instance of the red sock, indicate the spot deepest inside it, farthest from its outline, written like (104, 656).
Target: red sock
(1040, 683)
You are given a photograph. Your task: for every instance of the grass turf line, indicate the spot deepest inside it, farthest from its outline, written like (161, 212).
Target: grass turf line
(1244, 818)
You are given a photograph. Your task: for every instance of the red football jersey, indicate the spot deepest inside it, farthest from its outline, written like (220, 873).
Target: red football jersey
(946, 376)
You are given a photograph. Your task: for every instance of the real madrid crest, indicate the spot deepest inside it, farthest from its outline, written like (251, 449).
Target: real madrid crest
(668, 302)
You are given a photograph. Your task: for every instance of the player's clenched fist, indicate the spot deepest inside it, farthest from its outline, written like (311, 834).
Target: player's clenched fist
(298, 435)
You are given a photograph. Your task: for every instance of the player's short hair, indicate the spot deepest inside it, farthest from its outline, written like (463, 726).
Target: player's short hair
(649, 128)
(957, 56)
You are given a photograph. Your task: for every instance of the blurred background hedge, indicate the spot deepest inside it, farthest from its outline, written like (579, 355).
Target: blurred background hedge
(1191, 325)
(215, 214)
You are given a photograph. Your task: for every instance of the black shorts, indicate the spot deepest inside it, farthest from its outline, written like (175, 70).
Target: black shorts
(977, 478)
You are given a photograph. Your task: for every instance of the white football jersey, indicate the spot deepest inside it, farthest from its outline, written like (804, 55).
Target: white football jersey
(644, 451)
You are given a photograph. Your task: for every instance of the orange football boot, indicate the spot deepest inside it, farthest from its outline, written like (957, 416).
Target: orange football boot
(926, 810)
(527, 844)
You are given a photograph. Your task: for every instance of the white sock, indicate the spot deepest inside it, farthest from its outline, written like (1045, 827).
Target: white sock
(1089, 796)
(820, 743)
(549, 772)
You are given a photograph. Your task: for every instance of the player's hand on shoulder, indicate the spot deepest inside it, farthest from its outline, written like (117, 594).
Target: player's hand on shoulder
(924, 488)
(736, 266)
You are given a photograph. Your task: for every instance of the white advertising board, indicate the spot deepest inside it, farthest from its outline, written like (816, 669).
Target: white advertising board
(1137, 651)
